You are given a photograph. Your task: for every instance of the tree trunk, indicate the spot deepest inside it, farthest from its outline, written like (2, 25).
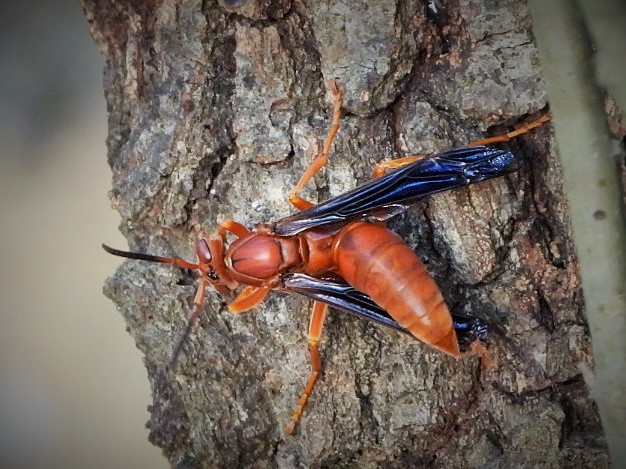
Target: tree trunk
(216, 108)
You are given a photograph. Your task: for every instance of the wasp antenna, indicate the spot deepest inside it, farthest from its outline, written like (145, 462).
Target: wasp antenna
(135, 255)
(178, 262)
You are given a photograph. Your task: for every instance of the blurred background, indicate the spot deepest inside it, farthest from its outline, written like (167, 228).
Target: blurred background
(73, 389)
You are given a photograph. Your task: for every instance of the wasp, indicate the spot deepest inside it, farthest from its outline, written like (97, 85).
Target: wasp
(340, 253)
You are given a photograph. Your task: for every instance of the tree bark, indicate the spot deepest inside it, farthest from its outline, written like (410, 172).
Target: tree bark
(216, 108)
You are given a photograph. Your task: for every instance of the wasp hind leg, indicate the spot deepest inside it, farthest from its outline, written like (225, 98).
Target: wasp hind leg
(315, 332)
(380, 169)
(520, 130)
(384, 166)
(481, 351)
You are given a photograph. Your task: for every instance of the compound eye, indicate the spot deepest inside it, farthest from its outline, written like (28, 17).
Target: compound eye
(203, 252)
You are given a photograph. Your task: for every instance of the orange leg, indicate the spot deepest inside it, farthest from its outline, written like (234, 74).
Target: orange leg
(479, 349)
(320, 161)
(198, 301)
(233, 227)
(384, 166)
(315, 332)
(248, 299)
(521, 130)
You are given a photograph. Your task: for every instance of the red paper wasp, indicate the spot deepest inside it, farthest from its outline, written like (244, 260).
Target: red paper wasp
(339, 253)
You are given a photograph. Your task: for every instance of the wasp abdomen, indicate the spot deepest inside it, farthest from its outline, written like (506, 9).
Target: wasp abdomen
(377, 262)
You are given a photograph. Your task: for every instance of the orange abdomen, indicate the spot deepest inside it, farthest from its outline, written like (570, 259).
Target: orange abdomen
(378, 262)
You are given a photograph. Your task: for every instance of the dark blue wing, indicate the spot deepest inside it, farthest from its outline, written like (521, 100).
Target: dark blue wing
(340, 295)
(390, 194)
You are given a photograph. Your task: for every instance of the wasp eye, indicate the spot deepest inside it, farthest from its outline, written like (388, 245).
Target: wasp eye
(203, 251)
(212, 275)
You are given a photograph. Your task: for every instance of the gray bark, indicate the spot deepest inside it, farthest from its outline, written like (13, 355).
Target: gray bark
(216, 108)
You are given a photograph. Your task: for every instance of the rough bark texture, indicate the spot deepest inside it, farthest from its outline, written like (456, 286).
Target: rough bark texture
(215, 109)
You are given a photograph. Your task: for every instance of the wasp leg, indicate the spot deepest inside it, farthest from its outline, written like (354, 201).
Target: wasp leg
(381, 168)
(320, 160)
(233, 227)
(198, 301)
(248, 298)
(479, 349)
(315, 331)
(384, 166)
(521, 130)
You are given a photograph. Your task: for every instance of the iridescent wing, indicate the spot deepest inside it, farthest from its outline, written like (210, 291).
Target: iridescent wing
(338, 294)
(390, 194)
